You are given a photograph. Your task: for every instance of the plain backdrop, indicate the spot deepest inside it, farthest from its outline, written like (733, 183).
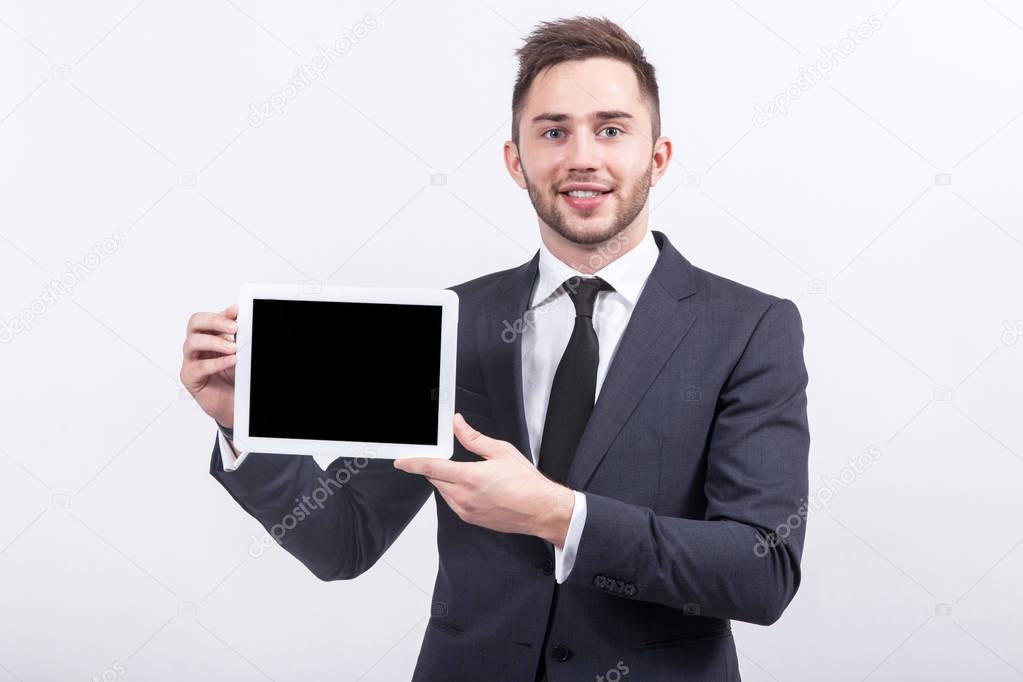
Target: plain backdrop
(884, 199)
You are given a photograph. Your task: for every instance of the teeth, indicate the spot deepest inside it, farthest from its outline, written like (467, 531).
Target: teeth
(583, 194)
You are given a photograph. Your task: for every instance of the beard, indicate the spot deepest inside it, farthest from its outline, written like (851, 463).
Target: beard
(628, 202)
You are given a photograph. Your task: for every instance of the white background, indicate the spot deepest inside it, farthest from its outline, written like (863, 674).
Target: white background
(886, 202)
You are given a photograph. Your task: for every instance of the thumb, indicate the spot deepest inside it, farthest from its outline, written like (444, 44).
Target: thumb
(474, 441)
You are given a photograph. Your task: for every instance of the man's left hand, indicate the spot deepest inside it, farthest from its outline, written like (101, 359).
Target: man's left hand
(504, 492)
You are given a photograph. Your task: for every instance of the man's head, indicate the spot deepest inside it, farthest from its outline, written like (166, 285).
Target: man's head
(585, 118)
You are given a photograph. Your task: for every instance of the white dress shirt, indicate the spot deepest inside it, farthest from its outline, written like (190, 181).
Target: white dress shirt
(546, 332)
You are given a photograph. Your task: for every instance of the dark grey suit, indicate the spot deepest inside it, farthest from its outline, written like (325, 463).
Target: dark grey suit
(694, 466)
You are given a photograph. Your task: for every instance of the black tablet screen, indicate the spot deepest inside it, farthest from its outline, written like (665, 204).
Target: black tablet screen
(325, 370)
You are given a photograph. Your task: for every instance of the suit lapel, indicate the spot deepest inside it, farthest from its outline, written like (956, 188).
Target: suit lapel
(500, 343)
(661, 319)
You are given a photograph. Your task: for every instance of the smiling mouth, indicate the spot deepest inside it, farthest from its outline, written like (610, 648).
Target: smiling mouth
(584, 193)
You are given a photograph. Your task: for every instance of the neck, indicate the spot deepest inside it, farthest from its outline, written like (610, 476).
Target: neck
(590, 258)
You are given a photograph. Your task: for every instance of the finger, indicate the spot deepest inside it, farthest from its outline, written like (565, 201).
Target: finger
(194, 372)
(475, 442)
(198, 342)
(431, 467)
(211, 323)
(445, 488)
(231, 311)
(446, 491)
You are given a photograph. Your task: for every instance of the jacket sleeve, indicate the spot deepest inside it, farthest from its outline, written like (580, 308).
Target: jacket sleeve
(741, 561)
(337, 522)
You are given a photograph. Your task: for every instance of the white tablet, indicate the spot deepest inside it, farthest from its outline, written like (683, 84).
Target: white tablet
(345, 371)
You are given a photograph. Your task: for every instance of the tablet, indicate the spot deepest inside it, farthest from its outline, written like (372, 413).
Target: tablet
(333, 371)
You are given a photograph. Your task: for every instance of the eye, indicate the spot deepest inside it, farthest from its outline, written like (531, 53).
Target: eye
(617, 130)
(552, 130)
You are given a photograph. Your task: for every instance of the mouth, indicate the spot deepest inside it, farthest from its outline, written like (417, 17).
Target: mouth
(584, 199)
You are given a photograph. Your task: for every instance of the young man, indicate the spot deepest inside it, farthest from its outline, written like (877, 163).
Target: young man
(630, 470)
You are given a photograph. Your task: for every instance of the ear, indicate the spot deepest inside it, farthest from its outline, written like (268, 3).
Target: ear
(513, 162)
(661, 159)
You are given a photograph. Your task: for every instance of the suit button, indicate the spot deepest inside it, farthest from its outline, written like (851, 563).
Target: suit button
(561, 653)
(548, 567)
(600, 581)
(630, 590)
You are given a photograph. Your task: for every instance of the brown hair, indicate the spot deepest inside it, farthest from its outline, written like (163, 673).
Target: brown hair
(554, 42)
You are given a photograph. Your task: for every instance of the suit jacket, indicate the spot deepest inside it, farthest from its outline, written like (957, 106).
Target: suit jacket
(694, 467)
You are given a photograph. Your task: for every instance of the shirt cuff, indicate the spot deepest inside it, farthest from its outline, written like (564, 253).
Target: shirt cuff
(227, 456)
(564, 558)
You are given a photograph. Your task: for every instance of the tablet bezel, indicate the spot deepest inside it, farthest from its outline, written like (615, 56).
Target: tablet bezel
(445, 298)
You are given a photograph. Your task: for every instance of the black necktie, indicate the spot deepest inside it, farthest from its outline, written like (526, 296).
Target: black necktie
(575, 383)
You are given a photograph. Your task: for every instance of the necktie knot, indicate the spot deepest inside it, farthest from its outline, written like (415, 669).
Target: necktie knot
(583, 292)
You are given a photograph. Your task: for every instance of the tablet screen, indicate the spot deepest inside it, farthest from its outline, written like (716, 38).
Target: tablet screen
(344, 371)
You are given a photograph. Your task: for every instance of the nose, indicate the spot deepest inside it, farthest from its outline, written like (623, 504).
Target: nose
(583, 153)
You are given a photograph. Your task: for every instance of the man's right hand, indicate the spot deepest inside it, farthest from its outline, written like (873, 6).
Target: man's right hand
(207, 369)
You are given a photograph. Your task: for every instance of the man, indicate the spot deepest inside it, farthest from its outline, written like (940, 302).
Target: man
(630, 469)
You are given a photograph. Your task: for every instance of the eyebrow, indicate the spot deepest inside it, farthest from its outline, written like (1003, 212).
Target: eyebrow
(599, 115)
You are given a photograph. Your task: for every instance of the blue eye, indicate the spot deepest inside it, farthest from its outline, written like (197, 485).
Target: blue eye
(552, 130)
(618, 130)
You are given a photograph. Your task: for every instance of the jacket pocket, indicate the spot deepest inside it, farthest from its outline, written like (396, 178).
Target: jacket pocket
(470, 401)
(687, 638)
(450, 629)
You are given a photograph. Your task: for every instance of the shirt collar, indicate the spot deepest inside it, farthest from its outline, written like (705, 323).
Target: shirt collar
(627, 273)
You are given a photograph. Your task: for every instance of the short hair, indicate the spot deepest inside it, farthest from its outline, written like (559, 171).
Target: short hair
(562, 40)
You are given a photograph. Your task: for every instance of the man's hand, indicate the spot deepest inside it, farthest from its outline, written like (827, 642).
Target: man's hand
(209, 356)
(504, 492)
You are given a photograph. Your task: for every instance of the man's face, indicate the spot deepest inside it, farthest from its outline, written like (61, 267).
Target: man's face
(585, 151)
